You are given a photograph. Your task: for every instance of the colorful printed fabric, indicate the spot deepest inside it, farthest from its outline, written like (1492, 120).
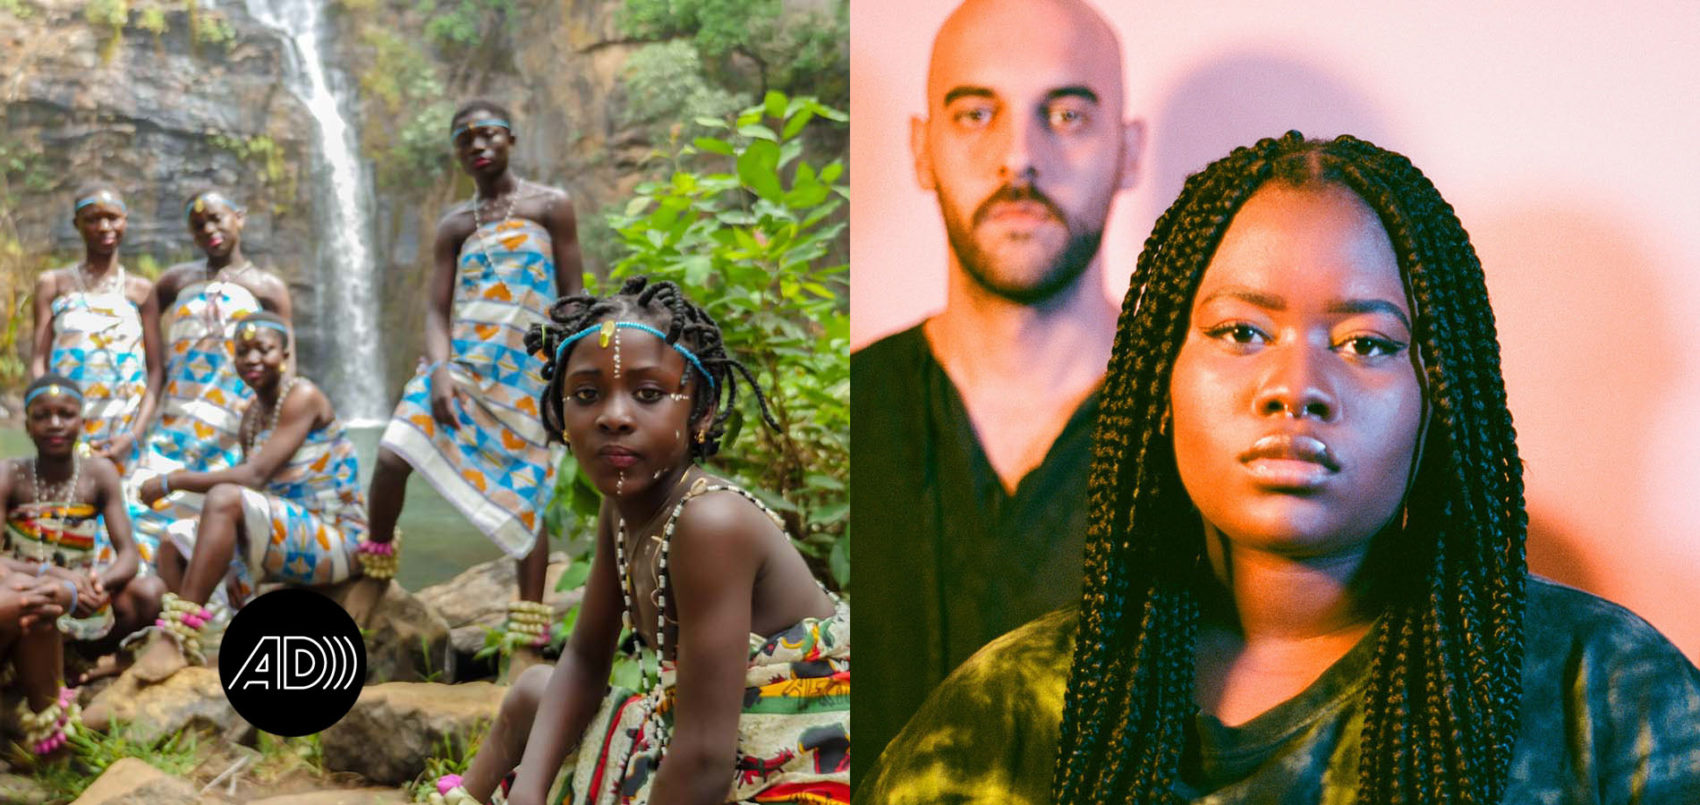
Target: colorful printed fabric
(97, 341)
(303, 528)
(65, 535)
(497, 468)
(793, 731)
(200, 409)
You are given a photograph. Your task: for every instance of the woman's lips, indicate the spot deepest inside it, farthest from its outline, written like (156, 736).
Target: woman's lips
(1287, 461)
(618, 457)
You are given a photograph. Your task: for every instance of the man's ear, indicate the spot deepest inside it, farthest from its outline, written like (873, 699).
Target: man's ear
(1133, 147)
(919, 149)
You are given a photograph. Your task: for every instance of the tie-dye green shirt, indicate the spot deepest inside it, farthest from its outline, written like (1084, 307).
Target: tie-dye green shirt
(1611, 714)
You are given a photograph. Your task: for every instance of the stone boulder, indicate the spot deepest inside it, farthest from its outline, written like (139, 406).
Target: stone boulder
(395, 727)
(131, 780)
(190, 698)
(406, 639)
(477, 599)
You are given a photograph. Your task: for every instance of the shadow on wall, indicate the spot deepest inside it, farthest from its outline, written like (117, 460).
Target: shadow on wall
(1238, 99)
(1583, 321)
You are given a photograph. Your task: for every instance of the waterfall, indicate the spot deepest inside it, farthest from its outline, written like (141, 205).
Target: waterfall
(348, 309)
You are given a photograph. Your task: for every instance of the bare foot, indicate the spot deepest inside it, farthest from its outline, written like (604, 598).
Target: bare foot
(158, 660)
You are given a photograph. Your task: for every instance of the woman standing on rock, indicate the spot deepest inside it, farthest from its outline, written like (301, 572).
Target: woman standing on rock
(203, 397)
(468, 420)
(102, 324)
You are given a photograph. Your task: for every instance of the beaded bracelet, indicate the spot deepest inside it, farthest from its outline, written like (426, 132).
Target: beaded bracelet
(380, 560)
(184, 621)
(70, 585)
(529, 622)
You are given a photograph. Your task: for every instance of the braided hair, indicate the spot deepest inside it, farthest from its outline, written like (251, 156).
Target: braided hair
(1441, 706)
(685, 323)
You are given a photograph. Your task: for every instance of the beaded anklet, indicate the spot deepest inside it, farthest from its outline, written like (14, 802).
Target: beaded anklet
(380, 560)
(184, 620)
(528, 623)
(450, 792)
(49, 729)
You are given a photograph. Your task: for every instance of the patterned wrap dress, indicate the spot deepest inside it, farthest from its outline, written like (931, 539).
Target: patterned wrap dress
(60, 533)
(97, 341)
(200, 410)
(793, 728)
(497, 468)
(303, 528)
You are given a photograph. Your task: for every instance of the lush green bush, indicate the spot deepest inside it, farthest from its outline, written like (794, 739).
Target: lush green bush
(747, 229)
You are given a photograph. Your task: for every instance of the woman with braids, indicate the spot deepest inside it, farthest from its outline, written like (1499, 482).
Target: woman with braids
(1305, 575)
(290, 511)
(102, 325)
(746, 675)
(468, 420)
(201, 403)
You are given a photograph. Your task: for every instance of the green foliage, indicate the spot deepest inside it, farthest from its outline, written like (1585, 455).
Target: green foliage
(460, 25)
(24, 174)
(274, 169)
(666, 84)
(208, 27)
(280, 755)
(755, 45)
(112, 14)
(753, 245)
(413, 154)
(17, 8)
(153, 21)
(92, 752)
(452, 755)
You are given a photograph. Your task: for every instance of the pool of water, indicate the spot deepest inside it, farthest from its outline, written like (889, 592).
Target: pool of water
(440, 543)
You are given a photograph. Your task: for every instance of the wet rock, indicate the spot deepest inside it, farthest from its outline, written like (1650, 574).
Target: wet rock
(362, 796)
(21, 790)
(190, 698)
(395, 727)
(477, 600)
(131, 780)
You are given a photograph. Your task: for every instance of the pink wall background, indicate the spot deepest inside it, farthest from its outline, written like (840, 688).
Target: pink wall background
(1567, 135)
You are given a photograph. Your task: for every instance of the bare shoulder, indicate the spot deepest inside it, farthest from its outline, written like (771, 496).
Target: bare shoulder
(102, 470)
(52, 282)
(176, 277)
(723, 520)
(308, 398)
(137, 285)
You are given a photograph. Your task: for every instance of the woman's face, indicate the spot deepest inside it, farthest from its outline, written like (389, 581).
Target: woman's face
(1296, 404)
(54, 422)
(626, 408)
(216, 227)
(101, 225)
(261, 354)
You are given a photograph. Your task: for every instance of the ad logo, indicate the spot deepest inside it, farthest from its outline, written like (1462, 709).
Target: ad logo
(292, 662)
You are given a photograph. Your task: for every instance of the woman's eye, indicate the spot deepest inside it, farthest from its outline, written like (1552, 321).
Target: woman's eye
(648, 395)
(1368, 346)
(1238, 333)
(584, 395)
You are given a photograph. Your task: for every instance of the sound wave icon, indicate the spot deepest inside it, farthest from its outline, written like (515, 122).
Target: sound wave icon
(296, 662)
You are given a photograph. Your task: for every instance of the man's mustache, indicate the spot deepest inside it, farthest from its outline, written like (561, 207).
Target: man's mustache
(1013, 194)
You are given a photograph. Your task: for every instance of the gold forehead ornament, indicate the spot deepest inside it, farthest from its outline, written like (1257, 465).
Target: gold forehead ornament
(606, 333)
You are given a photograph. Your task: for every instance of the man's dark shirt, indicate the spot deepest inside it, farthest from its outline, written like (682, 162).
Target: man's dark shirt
(945, 558)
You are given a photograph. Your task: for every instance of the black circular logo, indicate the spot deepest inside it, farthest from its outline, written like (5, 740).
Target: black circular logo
(292, 662)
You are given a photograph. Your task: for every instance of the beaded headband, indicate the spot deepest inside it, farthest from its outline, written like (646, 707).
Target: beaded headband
(101, 197)
(201, 200)
(488, 121)
(250, 328)
(606, 331)
(52, 388)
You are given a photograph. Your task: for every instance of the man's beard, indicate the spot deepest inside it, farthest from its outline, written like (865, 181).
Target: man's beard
(1065, 268)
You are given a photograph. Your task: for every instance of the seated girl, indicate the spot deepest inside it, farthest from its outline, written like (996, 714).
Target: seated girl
(748, 696)
(1305, 574)
(30, 656)
(51, 503)
(291, 511)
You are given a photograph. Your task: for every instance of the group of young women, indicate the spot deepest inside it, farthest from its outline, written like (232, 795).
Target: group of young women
(181, 462)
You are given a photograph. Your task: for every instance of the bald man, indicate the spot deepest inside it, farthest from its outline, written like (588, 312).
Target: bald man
(972, 429)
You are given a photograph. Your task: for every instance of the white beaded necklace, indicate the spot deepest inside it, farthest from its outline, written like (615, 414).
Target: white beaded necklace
(65, 492)
(250, 431)
(478, 223)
